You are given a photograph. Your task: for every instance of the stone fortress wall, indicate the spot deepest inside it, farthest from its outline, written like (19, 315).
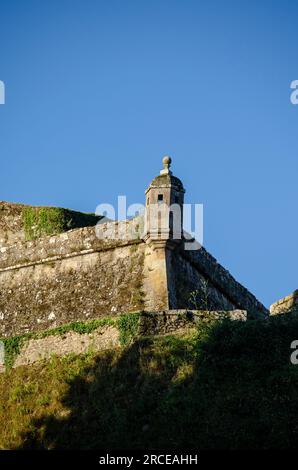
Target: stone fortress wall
(106, 334)
(11, 227)
(285, 305)
(14, 220)
(84, 271)
(75, 276)
(68, 277)
(198, 271)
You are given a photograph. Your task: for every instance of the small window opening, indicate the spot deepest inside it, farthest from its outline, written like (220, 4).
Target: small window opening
(160, 198)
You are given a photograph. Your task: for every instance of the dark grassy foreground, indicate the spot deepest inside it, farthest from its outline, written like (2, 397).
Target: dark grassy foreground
(227, 385)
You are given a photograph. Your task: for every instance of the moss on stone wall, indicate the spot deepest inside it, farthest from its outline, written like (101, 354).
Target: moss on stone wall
(42, 221)
(130, 326)
(127, 325)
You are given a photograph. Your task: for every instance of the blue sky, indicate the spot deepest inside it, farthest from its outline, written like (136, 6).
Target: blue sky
(98, 91)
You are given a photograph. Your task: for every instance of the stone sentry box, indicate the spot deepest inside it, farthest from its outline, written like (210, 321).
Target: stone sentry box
(75, 276)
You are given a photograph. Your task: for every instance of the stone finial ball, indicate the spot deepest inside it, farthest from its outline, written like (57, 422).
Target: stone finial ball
(167, 160)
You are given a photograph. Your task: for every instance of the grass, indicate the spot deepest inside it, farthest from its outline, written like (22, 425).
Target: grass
(41, 221)
(128, 327)
(223, 385)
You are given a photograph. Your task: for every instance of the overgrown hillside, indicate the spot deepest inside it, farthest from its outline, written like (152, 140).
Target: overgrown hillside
(224, 385)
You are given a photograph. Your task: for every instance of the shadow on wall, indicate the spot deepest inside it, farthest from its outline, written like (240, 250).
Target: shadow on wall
(229, 385)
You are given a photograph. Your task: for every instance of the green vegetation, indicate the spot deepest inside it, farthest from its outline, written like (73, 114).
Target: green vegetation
(226, 384)
(78, 327)
(12, 347)
(200, 299)
(127, 325)
(42, 221)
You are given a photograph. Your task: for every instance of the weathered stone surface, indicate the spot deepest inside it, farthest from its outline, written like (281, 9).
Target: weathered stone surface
(69, 244)
(169, 321)
(76, 276)
(199, 270)
(285, 305)
(155, 282)
(61, 343)
(97, 271)
(74, 286)
(71, 342)
(11, 229)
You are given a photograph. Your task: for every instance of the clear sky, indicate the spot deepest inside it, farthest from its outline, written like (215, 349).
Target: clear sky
(98, 91)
